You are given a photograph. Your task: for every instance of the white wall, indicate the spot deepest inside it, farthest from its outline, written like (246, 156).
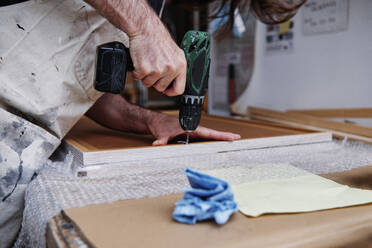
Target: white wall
(323, 71)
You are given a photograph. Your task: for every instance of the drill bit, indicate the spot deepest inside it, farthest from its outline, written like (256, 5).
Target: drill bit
(187, 137)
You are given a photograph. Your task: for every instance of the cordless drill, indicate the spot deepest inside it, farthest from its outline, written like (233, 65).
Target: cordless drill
(113, 61)
(196, 46)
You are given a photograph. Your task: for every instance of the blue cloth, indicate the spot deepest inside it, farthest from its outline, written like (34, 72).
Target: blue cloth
(209, 198)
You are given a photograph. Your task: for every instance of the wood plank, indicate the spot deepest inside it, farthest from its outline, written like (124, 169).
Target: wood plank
(93, 144)
(88, 136)
(195, 149)
(60, 233)
(336, 134)
(312, 121)
(335, 113)
(54, 238)
(239, 117)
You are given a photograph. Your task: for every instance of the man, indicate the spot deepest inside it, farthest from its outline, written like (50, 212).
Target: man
(47, 50)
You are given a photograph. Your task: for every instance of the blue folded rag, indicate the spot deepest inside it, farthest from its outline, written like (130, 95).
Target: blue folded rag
(209, 198)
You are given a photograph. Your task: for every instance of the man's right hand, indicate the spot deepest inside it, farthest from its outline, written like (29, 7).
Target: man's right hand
(157, 60)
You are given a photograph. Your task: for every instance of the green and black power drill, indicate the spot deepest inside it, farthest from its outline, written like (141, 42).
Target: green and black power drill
(113, 62)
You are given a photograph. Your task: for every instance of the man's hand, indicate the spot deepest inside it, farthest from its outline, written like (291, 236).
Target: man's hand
(157, 60)
(165, 128)
(114, 112)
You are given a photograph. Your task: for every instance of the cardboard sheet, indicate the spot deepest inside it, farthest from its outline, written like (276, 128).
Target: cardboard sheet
(147, 223)
(296, 191)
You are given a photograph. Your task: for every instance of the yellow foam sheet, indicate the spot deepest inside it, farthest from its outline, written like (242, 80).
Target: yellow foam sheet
(283, 188)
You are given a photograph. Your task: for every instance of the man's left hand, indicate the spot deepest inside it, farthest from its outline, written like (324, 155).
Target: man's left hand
(166, 128)
(114, 112)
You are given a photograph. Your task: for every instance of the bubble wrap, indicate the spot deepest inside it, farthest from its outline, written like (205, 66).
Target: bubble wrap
(57, 188)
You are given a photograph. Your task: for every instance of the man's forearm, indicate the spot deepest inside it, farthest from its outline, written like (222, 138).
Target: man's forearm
(131, 16)
(115, 112)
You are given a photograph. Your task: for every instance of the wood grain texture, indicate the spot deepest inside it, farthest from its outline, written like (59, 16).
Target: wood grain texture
(336, 134)
(260, 113)
(89, 136)
(336, 113)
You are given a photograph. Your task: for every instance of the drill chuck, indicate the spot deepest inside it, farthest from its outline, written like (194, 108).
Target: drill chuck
(190, 112)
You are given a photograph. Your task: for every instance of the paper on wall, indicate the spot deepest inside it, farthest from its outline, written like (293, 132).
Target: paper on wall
(283, 188)
(326, 16)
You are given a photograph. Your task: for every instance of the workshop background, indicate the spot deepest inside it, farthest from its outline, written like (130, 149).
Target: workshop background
(327, 63)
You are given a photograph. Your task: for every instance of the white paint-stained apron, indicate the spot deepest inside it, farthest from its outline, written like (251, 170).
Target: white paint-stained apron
(47, 53)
